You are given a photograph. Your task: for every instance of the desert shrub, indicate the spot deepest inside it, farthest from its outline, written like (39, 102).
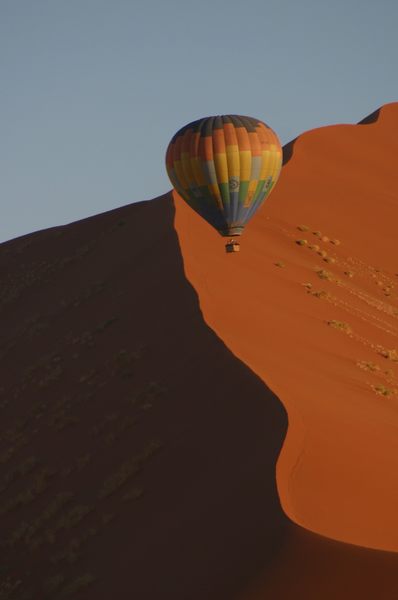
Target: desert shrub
(72, 551)
(382, 390)
(85, 339)
(61, 420)
(105, 324)
(367, 365)
(322, 274)
(26, 531)
(133, 494)
(77, 584)
(107, 518)
(39, 484)
(52, 584)
(124, 362)
(341, 325)
(320, 294)
(91, 377)
(83, 460)
(152, 391)
(8, 586)
(128, 469)
(28, 465)
(390, 354)
(72, 517)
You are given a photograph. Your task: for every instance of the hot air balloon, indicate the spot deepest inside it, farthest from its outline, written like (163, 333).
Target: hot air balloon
(224, 167)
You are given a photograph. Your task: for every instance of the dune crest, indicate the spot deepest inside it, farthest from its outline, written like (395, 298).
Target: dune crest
(311, 306)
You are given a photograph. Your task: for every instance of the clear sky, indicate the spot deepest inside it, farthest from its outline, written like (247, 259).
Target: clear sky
(91, 91)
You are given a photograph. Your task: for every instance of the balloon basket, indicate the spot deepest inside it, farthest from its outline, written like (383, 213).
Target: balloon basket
(232, 246)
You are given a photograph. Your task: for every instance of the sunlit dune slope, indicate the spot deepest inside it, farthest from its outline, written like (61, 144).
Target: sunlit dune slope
(310, 304)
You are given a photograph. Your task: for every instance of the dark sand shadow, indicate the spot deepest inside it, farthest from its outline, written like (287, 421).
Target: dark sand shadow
(372, 118)
(310, 567)
(209, 517)
(288, 151)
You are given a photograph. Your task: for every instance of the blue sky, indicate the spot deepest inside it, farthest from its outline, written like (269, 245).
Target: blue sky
(91, 91)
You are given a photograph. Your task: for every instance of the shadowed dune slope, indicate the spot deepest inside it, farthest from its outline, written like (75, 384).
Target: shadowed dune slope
(137, 453)
(311, 567)
(310, 304)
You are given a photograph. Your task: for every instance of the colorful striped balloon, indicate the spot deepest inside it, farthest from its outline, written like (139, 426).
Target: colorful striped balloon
(224, 167)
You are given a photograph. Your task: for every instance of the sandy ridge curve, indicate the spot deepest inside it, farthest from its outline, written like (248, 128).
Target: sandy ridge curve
(311, 306)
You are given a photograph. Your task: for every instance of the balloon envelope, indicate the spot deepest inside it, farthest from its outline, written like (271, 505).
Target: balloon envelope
(224, 167)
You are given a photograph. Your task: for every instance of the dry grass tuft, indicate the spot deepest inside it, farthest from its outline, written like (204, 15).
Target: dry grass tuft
(341, 325)
(322, 274)
(77, 584)
(133, 494)
(320, 294)
(8, 588)
(367, 366)
(52, 584)
(382, 390)
(128, 469)
(390, 354)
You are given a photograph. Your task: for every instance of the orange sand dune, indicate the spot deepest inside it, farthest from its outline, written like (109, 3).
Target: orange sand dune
(138, 449)
(337, 474)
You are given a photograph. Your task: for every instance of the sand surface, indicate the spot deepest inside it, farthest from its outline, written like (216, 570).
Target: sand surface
(178, 423)
(338, 471)
(130, 467)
